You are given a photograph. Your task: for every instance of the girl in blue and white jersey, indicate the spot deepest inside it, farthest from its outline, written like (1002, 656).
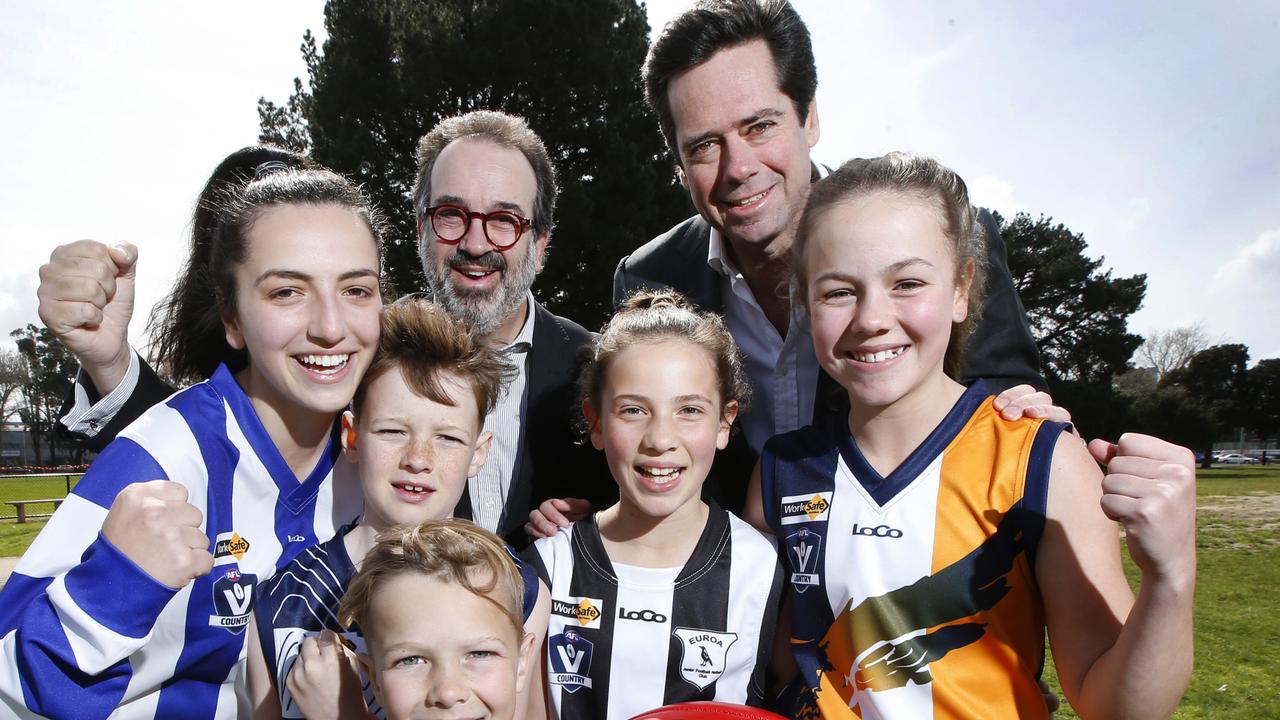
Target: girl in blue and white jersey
(136, 596)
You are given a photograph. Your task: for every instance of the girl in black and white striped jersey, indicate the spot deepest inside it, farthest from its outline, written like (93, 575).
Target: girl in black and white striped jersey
(663, 597)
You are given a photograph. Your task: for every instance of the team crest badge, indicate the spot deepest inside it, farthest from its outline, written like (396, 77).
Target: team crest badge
(570, 661)
(232, 601)
(703, 652)
(804, 548)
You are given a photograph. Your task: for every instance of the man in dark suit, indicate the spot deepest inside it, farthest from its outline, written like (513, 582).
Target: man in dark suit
(733, 84)
(484, 200)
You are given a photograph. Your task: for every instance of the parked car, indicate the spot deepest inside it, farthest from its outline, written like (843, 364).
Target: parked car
(1237, 459)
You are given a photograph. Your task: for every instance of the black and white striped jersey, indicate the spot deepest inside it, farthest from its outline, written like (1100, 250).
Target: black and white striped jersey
(624, 639)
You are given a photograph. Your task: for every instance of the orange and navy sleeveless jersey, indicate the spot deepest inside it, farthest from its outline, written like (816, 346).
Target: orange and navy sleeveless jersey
(914, 594)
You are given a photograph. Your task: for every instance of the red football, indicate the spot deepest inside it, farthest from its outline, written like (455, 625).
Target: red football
(707, 711)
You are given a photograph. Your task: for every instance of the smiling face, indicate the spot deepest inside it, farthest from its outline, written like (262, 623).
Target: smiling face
(413, 454)
(744, 153)
(306, 308)
(660, 423)
(882, 295)
(468, 667)
(475, 282)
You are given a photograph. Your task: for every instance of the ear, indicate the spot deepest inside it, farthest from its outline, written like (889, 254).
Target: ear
(811, 129)
(348, 435)
(366, 664)
(480, 453)
(540, 242)
(960, 305)
(526, 662)
(419, 231)
(593, 423)
(231, 326)
(727, 416)
(684, 181)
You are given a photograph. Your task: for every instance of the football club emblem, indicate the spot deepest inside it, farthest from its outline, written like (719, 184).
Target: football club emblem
(570, 661)
(805, 508)
(804, 548)
(703, 652)
(232, 601)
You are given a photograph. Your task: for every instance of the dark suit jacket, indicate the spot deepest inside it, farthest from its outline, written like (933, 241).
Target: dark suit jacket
(551, 463)
(1001, 350)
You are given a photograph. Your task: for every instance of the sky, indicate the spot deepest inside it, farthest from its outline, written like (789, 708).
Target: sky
(1149, 127)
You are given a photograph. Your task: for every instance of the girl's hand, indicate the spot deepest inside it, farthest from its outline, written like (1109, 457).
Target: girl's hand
(325, 679)
(1025, 401)
(1150, 488)
(547, 519)
(153, 525)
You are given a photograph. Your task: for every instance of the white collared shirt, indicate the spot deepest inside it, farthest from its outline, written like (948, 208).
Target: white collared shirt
(488, 489)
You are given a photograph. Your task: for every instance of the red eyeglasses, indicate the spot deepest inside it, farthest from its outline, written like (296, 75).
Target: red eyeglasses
(502, 228)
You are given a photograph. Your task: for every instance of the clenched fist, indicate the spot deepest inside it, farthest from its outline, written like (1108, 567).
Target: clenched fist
(154, 526)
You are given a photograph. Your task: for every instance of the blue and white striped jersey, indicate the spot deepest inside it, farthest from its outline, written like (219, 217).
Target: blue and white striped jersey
(86, 633)
(302, 600)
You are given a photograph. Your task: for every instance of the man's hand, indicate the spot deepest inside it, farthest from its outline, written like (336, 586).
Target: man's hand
(325, 679)
(1150, 488)
(154, 526)
(1025, 401)
(86, 301)
(547, 519)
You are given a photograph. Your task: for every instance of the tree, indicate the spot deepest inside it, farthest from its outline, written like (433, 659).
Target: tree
(50, 372)
(1263, 418)
(391, 69)
(13, 374)
(1217, 379)
(1169, 350)
(1078, 314)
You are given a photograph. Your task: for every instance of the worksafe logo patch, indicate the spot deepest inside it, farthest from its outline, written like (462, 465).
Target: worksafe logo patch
(229, 548)
(805, 508)
(586, 611)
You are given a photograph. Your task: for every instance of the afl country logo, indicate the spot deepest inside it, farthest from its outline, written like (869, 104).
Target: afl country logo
(229, 548)
(703, 652)
(585, 610)
(232, 601)
(805, 508)
(804, 550)
(570, 656)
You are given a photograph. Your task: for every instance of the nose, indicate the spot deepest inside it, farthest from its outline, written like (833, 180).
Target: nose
(327, 326)
(419, 456)
(475, 243)
(738, 161)
(659, 435)
(446, 687)
(873, 313)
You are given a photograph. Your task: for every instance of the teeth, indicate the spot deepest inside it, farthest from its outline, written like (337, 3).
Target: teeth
(660, 474)
(876, 357)
(325, 361)
(476, 274)
(748, 201)
(413, 488)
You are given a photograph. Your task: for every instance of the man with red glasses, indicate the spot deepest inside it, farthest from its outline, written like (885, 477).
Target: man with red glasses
(484, 198)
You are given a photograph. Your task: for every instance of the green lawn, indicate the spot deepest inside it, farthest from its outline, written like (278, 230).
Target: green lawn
(1237, 633)
(14, 538)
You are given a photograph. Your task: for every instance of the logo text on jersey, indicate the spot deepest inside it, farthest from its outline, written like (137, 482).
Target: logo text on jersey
(229, 547)
(570, 656)
(805, 508)
(702, 654)
(232, 601)
(804, 550)
(644, 615)
(883, 531)
(583, 609)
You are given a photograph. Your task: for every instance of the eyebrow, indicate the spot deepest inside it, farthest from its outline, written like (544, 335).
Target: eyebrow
(755, 117)
(693, 397)
(895, 267)
(307, 277)
(500, 205)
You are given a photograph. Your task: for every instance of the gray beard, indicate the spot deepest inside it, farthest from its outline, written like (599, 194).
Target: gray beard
(482, 312)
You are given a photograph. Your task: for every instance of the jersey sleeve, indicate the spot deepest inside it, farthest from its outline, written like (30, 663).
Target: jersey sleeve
(76, 608)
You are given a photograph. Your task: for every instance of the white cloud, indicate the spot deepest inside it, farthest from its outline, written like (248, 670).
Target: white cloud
(996, 194)
(1253, 270)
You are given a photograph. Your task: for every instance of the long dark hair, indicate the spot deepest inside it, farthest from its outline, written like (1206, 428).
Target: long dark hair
(189, 340)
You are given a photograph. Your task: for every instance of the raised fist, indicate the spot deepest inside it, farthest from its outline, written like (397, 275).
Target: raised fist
(154, 526)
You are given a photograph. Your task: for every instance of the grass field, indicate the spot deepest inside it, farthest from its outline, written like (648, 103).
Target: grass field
(1236, 627)
(1237, 631)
